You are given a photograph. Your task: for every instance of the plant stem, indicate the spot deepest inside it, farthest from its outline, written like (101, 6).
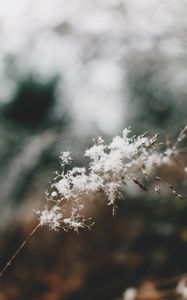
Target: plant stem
(18, 250)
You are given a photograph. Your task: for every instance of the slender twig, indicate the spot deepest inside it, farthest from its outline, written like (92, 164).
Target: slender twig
(18, 250)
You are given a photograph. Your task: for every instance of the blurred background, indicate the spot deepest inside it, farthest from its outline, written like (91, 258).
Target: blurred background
(71, 71)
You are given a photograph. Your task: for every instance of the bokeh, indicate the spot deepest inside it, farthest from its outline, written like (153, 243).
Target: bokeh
(71, 71)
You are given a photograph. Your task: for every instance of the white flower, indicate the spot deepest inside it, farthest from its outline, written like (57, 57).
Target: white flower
(63, 187)
(51, 217)
(65, 158)
(111, 167)
(76, 171)
(110, 190)
(79, 183)
(95, 152)
(73, 223)
(54, 194)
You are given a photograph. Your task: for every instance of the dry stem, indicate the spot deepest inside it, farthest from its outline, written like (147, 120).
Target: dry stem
(18, 250)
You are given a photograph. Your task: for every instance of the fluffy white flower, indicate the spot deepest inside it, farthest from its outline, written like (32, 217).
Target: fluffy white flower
(65, 158)
(63, 187)
(74, 224)
(111, 189)
(111, 168)
(95, 152)
(51, 217)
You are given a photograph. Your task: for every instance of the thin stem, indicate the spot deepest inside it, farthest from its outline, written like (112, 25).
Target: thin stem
(18, 250)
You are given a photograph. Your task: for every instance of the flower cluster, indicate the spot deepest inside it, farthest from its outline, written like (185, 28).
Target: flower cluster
(51, 217)
(111, 167)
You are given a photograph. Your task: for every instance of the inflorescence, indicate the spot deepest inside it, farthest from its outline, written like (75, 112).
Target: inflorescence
(127, 159)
